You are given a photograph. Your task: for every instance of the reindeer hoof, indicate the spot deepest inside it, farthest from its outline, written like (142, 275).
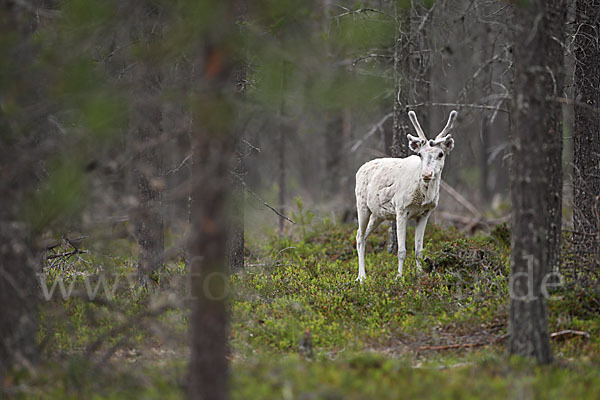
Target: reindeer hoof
(360, 279)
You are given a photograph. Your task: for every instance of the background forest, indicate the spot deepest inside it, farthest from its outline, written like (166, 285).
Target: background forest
(178, 215)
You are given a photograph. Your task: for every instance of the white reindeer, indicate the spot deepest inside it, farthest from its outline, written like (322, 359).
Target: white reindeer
(402, 189)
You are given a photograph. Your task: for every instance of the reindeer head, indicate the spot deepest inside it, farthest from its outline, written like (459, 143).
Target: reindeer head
(433, 152)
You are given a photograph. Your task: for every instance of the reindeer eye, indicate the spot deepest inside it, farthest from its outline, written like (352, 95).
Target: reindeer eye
(440, 155)
(419, 154)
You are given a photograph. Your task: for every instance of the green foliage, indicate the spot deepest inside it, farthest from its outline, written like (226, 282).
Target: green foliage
(302, 217)
(501, 232)
(364, 336)
(377, 377)
(82, 16)
(311, 284)
(364, 32)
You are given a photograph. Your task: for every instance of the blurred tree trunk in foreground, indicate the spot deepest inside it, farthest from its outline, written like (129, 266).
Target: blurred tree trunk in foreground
(531, 124)
(19, 159)
(586, 135)
(214, 148)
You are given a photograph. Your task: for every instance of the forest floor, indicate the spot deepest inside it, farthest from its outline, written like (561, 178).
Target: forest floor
(302, 328)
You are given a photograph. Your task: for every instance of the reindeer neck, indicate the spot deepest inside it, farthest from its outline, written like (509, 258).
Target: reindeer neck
(430, 190)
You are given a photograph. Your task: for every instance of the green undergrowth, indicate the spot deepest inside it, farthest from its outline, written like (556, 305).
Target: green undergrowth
(96, 304)
(310, 284)
(301, 327)
(372, 376)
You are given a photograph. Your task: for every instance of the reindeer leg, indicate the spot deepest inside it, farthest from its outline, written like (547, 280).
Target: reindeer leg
(363, 219)
(401, 220)
(419, 232)
(374, 222)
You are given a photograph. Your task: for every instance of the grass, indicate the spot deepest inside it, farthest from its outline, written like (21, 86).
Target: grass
(301, 327)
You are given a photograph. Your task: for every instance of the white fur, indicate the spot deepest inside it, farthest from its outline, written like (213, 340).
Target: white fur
(401, 189)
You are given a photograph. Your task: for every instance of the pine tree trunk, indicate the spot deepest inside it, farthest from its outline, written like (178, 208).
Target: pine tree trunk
(149, 219)
(149, 158)
(334, 144)
(214, 148)
(235, 252)
(402, 87)
(586, 135)
(18, 292)
(235, 247)
(531, 154)
(485, 131)
(281, 152)
(208, 252)
(20, 149)
(555, 16)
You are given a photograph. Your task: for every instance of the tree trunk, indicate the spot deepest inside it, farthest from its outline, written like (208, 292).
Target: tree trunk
(18, 293)
(208, 251)
(214, 148)
(235, 252)
(22, 146)
(281, 151)
(235, 247)
(485, 131)
(531, 154)
(555, 17)
(334, 144)
(586, 135)
(149, 218)
(149, 158)
(402, 87)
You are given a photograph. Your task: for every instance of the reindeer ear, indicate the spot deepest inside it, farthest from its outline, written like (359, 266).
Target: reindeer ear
(415, 143)
(448, 144)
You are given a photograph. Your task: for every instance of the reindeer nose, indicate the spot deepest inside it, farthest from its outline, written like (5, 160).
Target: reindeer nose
(427, 175)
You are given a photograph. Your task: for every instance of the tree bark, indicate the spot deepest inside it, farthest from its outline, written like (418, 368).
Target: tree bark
(149, 159)
(281, 152)
(402, 87)
(18, 292)
(586, 135)
(555, 18)
(334, 142)
(22, 147)
(149, 218)
(235, 252)
(235, 247)
(208, 374)
(531, 153)
(214, 148)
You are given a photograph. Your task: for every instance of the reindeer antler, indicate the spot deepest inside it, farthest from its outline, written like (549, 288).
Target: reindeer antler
(415, 122)
(448, 126)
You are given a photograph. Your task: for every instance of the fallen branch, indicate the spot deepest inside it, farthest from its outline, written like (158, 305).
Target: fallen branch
(66, 254)
(463, 345)
(565, 332)
(454, 346)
